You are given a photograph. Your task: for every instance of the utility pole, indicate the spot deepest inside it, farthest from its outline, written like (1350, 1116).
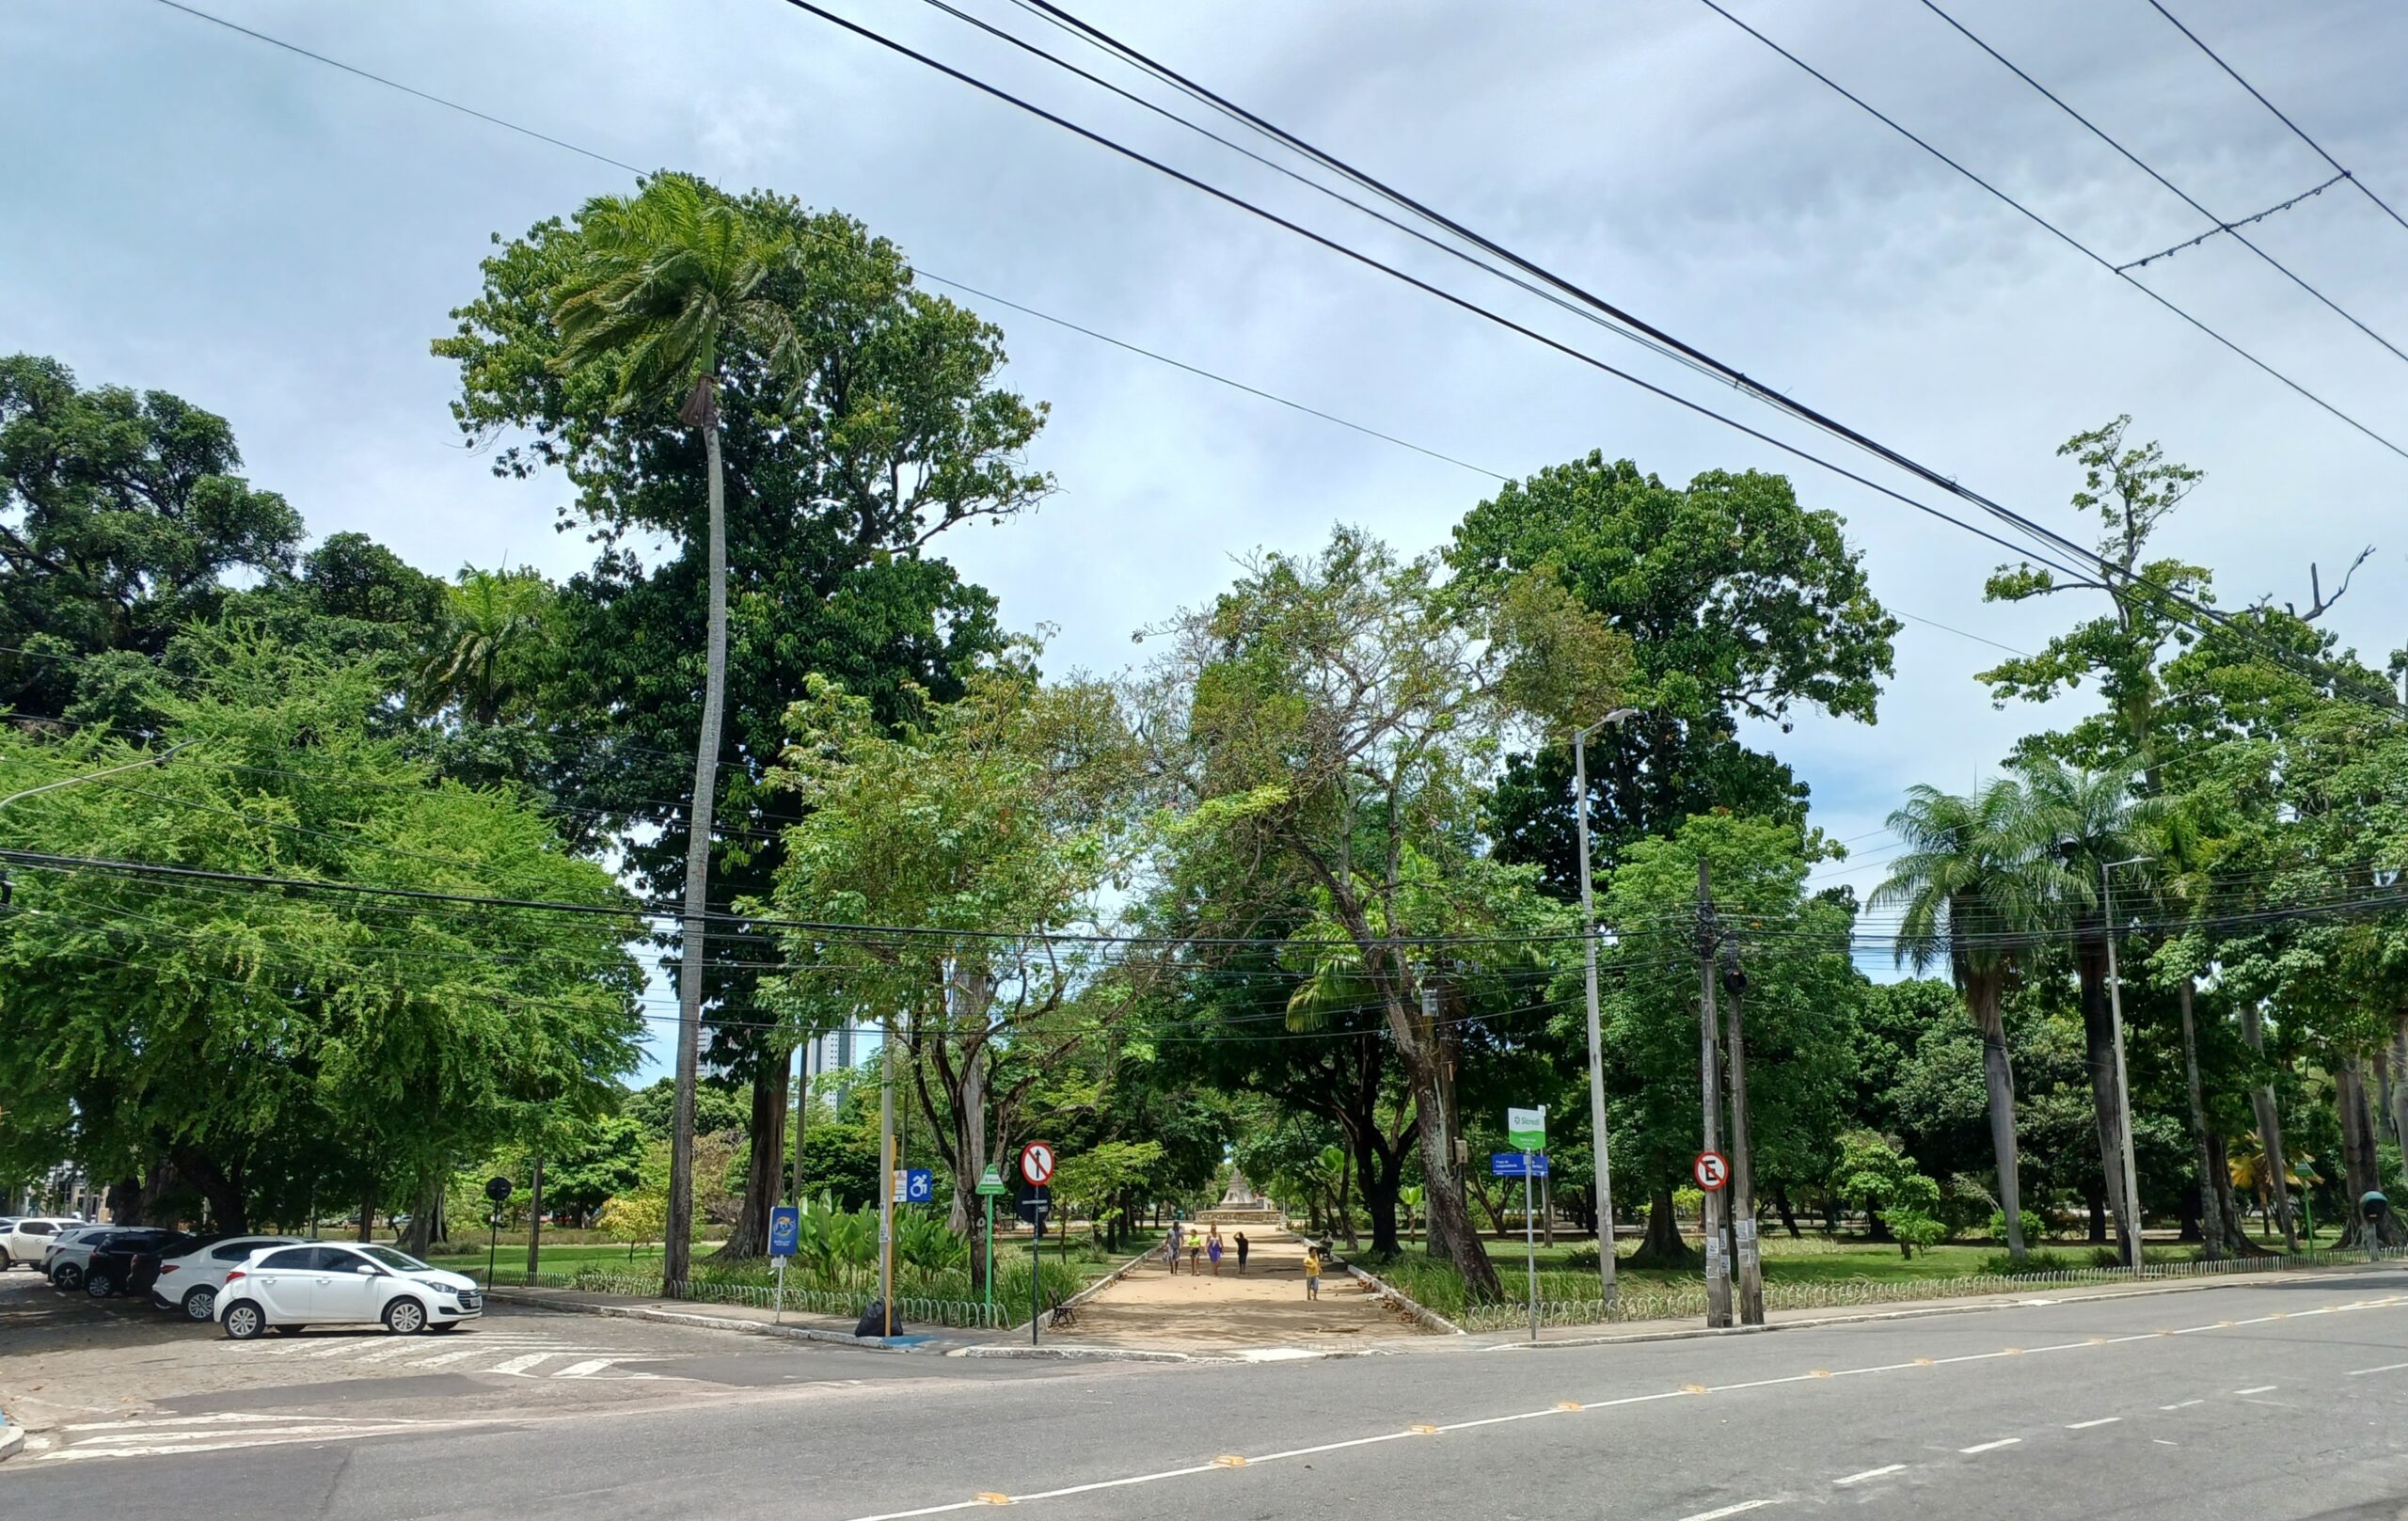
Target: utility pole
(1743, 1171)
(2131, 1188)
(1718, 1266)
(886, 1175)
(1596, 1059)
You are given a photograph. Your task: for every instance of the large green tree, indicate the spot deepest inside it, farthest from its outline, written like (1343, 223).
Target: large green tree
(280, 1048)
(855, 419)
(1740, 603)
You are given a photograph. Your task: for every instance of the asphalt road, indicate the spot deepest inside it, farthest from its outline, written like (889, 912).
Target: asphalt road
(2273, 1401)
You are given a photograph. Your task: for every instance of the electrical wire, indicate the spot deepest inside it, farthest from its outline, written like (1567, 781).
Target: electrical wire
(2297, 130)
(2187, 199)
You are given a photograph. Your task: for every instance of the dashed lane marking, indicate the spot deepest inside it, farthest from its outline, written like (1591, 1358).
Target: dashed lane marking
(2262, 1388)
(1990, 1446)
(2085, 1425)
(1730, 1510)
(2387, 1367)
(1871, 1473)
(2181, 1404)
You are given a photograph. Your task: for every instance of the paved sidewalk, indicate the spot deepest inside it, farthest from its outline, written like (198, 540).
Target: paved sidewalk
(735, 1318)
(1153, 1309)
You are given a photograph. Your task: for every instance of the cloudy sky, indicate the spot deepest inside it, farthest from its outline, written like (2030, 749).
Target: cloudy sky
(193, 210)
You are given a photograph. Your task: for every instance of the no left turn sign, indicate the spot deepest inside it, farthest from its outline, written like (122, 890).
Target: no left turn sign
(1712, 1171)
(1037, 1162)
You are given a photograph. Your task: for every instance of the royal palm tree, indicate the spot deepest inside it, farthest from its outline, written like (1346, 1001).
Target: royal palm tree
(2074, 825)
(665, 283)
(1966, 884)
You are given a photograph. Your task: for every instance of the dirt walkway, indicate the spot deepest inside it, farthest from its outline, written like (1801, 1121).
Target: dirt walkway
(1153, 1307)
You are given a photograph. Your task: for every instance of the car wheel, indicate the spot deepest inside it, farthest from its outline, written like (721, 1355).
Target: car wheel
(246, 1321)
(69, 1277)
(6, 1262)
(201, 1303)
(100, 1285)
(441, 1328)
(288, 1330)
(405, 1317)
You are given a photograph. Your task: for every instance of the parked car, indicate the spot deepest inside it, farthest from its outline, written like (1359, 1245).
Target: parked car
(127, 1262)
(28, 1238)
(64, 1259)
(190, 1282)
(287, 1288)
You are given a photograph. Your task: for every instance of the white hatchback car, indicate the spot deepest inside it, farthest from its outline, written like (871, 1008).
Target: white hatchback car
(190, 1282)
(286, 1288)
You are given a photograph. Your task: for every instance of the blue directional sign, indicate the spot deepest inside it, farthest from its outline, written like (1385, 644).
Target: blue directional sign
(1517, 1165)
(919, 1185)
(786, 1224)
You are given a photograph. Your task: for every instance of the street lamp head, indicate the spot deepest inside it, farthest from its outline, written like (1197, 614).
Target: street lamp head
(1619, 716)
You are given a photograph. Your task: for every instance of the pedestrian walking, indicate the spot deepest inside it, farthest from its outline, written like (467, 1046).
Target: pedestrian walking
(1212, 1251)
(1312, 1273)
(1171, 1248)
(1241, 1254)
(1195, 1253)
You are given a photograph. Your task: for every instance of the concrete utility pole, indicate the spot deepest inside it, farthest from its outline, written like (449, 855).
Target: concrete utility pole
(1743, 1170)
(886, 1175)
(2131, 1188)
(1718, 1266)
(1596, 1060)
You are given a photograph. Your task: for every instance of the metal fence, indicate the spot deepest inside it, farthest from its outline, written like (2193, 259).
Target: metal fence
(849, 1304)
(1663, 1302)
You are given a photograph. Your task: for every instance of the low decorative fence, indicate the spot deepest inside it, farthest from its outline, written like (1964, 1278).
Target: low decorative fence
(1669, 1302)
(849, 1304)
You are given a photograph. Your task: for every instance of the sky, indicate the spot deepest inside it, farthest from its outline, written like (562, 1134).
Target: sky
(195, 211)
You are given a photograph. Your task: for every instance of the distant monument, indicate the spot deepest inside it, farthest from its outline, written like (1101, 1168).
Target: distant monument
(1241, 1205)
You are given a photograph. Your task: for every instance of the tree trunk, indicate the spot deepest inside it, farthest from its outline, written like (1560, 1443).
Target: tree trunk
(2098, 1038)
(2094, 1198)
(228, 1213)
(764, 1167)
(2270, 1129)
(2400, 1079)
(1661, 1246)
(1788, 1215)
(2362, 1168)
(535, 1219)
(2211, 1233)
(368, 1215)
(426, 1217)
(1983, 992)
(1346, 1200)
(1452, 1236)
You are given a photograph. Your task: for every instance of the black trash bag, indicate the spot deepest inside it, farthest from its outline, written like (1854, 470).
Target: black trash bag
(873, 1321)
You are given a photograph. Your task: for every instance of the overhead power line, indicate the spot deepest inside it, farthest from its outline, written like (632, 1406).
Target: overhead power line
(2185, 197)
(2250, 220)
(2200, 614)
(2297, 130)
(2050, 228)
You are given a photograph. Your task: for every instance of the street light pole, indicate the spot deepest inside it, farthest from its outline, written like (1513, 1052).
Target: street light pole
(2123, 1086)
(1588, 956)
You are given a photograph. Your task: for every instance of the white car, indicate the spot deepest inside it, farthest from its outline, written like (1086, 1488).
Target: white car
(71, 1250)
(29, 1238)
(324, 1283)
(190, 1282)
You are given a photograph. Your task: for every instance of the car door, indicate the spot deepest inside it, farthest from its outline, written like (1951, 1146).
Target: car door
(345, 1288)
(285, 1283)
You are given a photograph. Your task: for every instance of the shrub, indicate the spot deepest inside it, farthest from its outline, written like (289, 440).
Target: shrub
(2042, 1260)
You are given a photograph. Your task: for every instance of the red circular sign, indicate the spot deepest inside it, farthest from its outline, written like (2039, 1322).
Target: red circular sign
(1037, 1162)
(1712, 1171)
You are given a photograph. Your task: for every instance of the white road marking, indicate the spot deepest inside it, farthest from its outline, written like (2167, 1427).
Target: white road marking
(214, 1418)
(1729, 1509)
(454, 1356)
(520, 1365)
(1870, 1473)
(2182, 1406)
(2262, 1388)
(2387, 1367)
(1991, 1447)
(2085, 1425)
(585, 1370)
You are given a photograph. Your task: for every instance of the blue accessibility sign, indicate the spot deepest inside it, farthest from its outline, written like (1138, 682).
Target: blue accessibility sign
(919, 1185)
(785, 1225)
(1517, 1163)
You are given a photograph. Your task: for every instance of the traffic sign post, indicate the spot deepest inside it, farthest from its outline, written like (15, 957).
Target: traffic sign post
(991, 1185)
(1526, 1129)
(1712, 1171)
(1037, 1169)
(786, 1230)
(498, 1190)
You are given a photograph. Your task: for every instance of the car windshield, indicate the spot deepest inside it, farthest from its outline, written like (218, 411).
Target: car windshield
(391, 1258)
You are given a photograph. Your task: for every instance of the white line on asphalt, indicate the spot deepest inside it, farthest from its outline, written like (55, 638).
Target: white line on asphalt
(1120, 1483)
(1729, 1509)
(1990, 1446)
(1870, 1473)
(2262, 1388)
(520, 1365)
(2085, 1425)
(585, 1370)
(2184, 1404)
(2387, 1367)
(216, 1417)
(457, 1356)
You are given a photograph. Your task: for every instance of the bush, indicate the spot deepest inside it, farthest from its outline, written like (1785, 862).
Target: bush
(1581, 1258)
(2041, 1260)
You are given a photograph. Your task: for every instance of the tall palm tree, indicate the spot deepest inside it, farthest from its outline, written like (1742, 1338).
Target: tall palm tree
(666, 281)
(2072, 825)
(1965, 879)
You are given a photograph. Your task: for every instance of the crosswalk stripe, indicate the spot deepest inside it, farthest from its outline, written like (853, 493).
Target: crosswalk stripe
(584, 1370)
(520, 1365)
(453, 1356)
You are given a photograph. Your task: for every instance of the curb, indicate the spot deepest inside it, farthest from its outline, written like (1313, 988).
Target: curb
(712, 1322)
(1910, 1313)
(1099, 1354)
(1389, 1293)
(12, 1438)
